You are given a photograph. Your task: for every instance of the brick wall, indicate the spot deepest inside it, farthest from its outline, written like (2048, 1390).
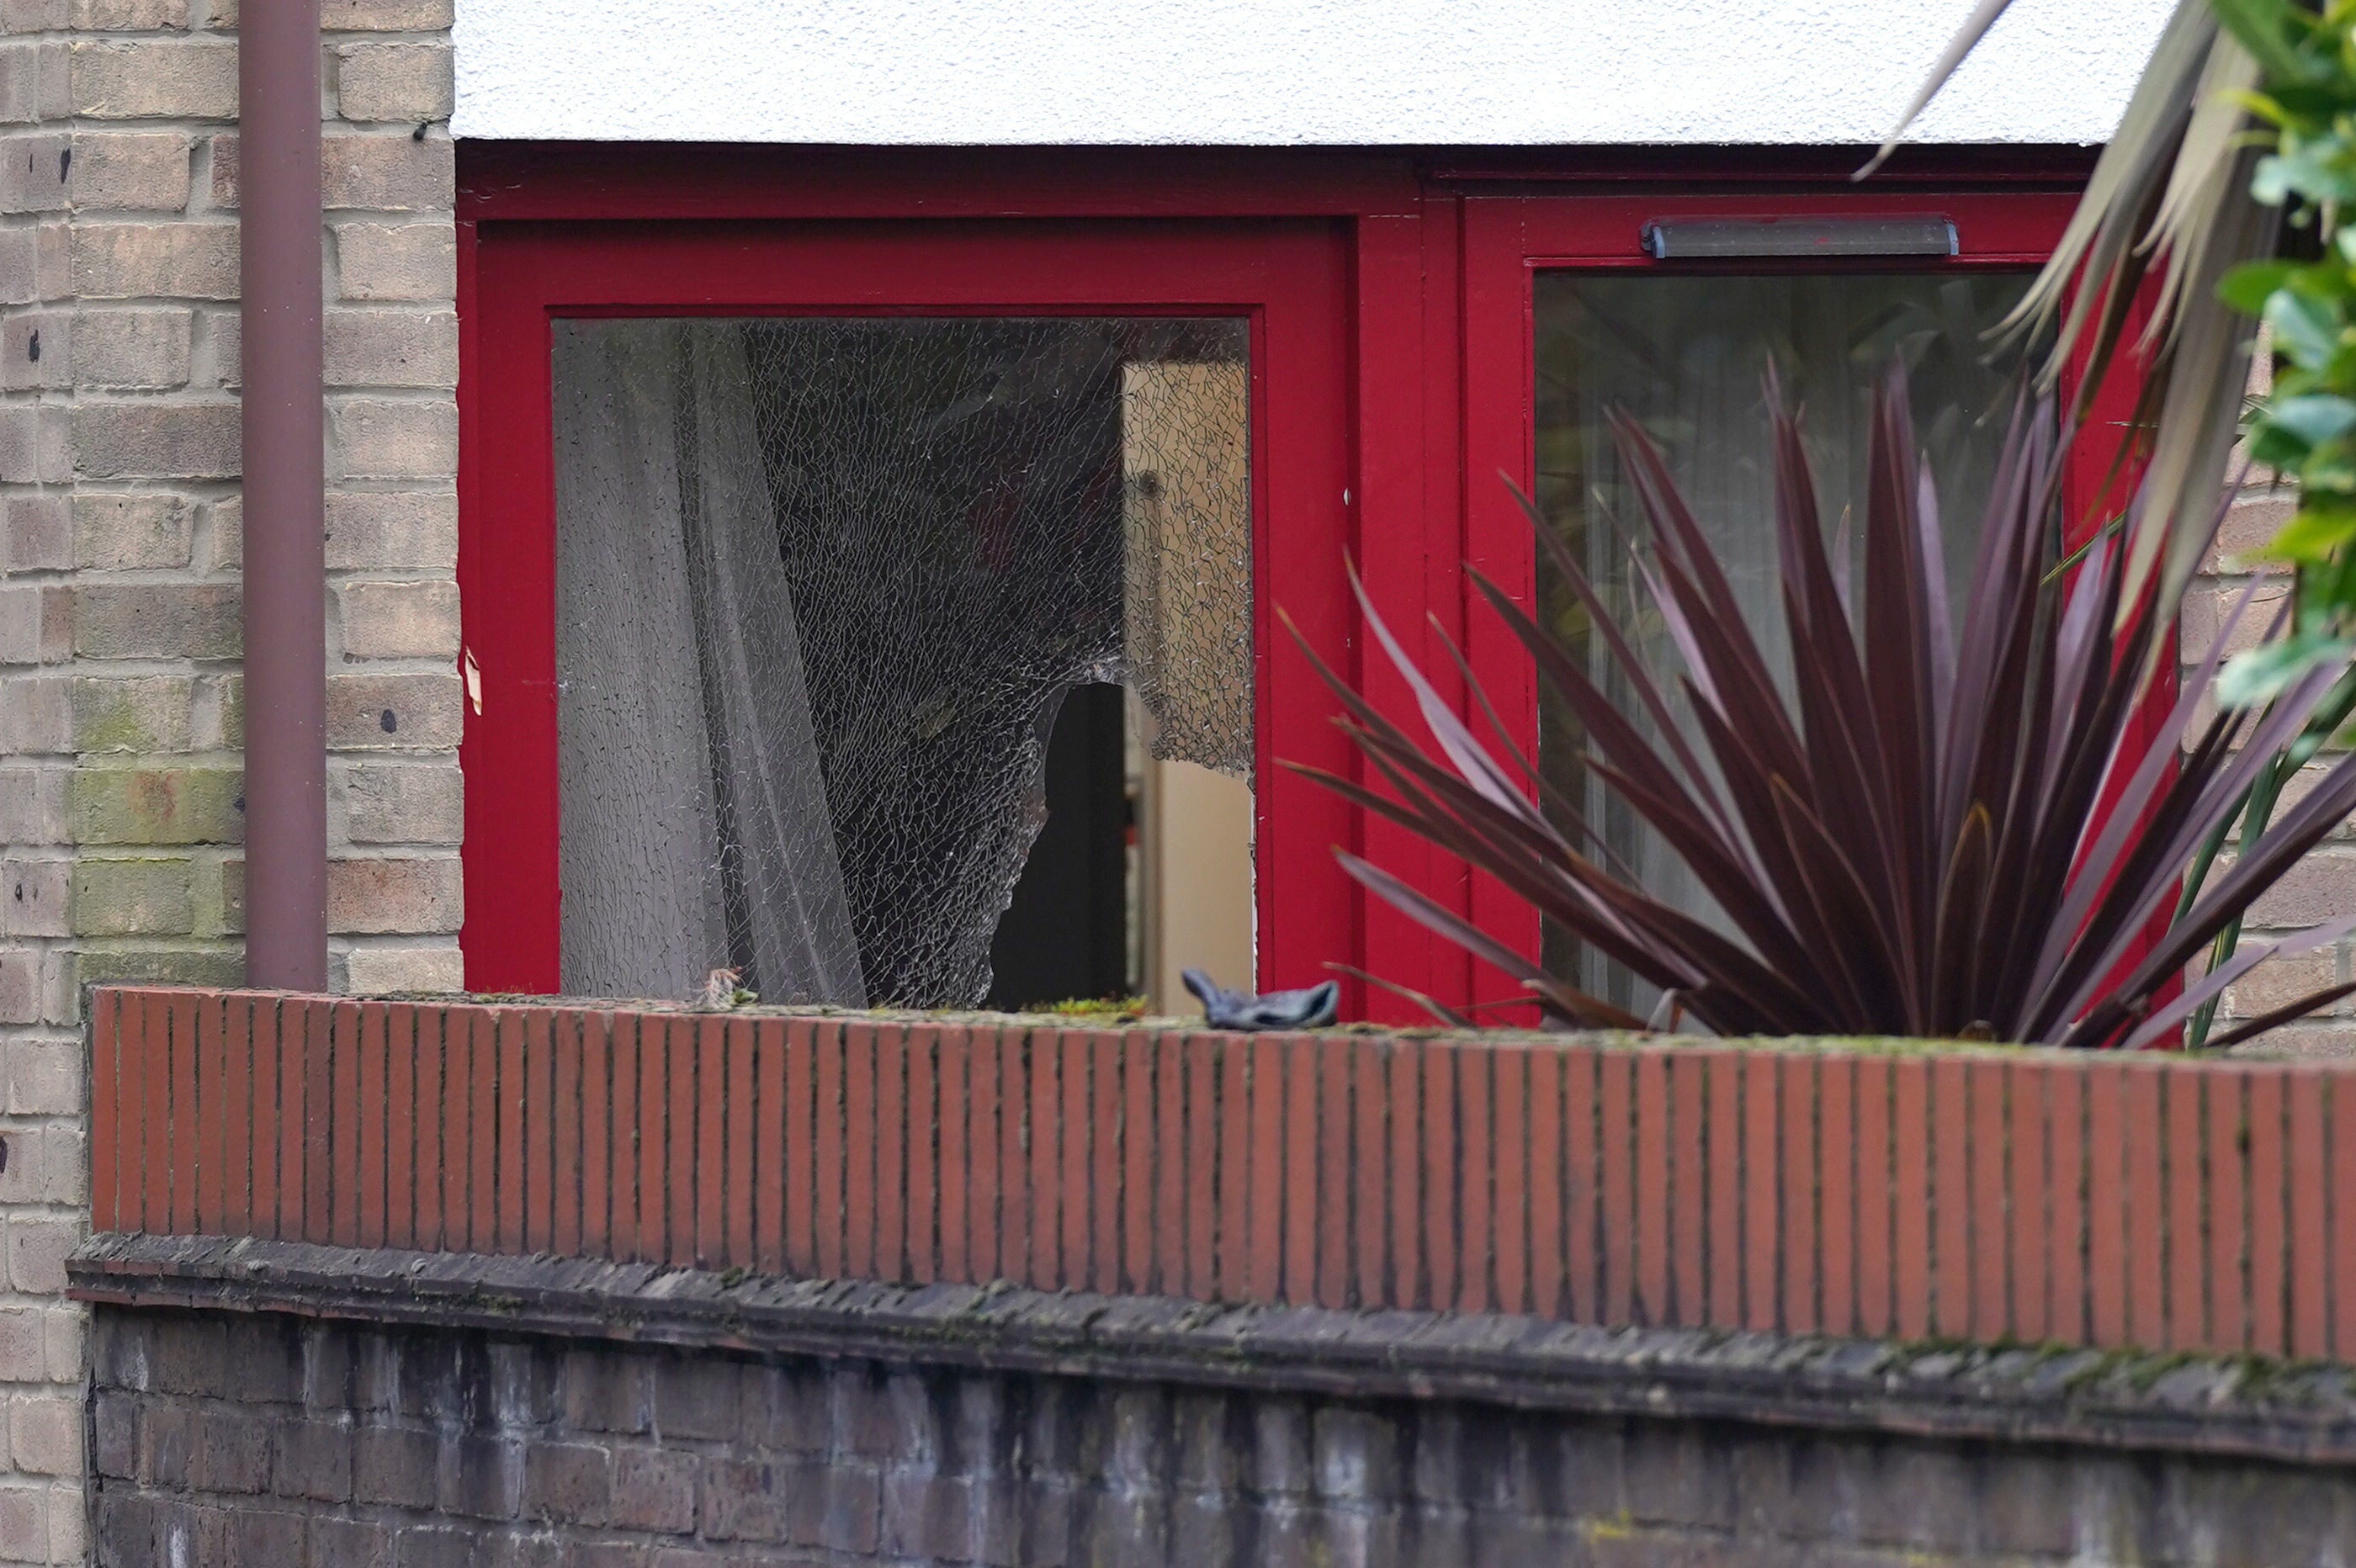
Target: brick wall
(1999, 1195)
(119, 800)
(233, 1438)
(2323, 886)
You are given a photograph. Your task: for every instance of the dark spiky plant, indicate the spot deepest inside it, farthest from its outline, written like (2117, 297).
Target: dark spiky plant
(1940, 830)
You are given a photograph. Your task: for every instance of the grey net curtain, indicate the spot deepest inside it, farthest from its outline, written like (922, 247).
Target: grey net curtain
(683, 699)
(822, 584)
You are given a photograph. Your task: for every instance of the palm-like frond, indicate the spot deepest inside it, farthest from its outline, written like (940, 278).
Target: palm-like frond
(2172, 191)
(1912, 840)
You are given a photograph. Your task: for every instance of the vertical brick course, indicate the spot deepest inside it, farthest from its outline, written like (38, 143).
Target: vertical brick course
(392, 511)
(43, 1182)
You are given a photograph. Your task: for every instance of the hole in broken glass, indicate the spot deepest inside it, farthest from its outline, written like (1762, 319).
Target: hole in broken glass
(822, 586)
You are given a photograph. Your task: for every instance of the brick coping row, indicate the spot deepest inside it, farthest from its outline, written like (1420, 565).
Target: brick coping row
(978, 1017)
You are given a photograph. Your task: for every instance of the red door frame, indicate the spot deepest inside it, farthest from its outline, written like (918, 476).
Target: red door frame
(1431, 285)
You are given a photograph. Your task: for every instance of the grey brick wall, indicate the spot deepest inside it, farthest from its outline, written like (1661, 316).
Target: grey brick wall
(241, 1438)
(121, 815)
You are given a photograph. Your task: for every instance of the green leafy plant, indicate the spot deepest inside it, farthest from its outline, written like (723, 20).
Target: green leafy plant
(1939, 829)
(2306, 426)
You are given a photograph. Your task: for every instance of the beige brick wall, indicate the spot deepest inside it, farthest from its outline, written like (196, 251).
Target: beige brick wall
(121, 801)
(2319, 888)
(2323, 886)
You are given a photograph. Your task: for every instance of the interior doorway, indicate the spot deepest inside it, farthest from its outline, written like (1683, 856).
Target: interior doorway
(1066, 936)
(1142, 868)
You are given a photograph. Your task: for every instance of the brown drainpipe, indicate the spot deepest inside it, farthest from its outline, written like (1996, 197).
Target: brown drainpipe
(285, 481)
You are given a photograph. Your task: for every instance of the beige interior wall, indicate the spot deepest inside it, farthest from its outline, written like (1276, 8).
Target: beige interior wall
(1196, 834)
(1185, 468)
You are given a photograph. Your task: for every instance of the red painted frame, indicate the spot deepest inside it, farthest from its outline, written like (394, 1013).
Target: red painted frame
(1287, 279)
(1421, 265)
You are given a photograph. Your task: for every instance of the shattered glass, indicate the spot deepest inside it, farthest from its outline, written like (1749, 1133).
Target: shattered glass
(821, 586)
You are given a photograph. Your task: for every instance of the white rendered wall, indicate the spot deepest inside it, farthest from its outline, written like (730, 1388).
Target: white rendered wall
(1273, 72)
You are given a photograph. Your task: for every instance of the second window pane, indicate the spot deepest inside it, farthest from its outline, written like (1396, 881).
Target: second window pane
(1686, 358)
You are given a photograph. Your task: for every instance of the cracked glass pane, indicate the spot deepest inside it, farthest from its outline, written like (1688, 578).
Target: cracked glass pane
(823, 585)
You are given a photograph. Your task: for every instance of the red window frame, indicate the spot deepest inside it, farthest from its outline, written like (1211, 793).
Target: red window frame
(1422, 384)
(1285, 278)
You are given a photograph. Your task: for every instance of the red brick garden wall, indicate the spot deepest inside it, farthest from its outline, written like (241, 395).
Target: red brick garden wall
(2153, 1203)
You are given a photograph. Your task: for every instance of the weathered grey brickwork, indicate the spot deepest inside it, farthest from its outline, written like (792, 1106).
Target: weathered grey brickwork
(241, 1438)
(119, 796)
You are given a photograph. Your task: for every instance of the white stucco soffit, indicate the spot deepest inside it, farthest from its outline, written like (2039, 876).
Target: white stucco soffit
(1276, 72)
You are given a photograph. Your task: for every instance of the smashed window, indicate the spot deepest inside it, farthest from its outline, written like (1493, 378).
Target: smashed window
(822, 586)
